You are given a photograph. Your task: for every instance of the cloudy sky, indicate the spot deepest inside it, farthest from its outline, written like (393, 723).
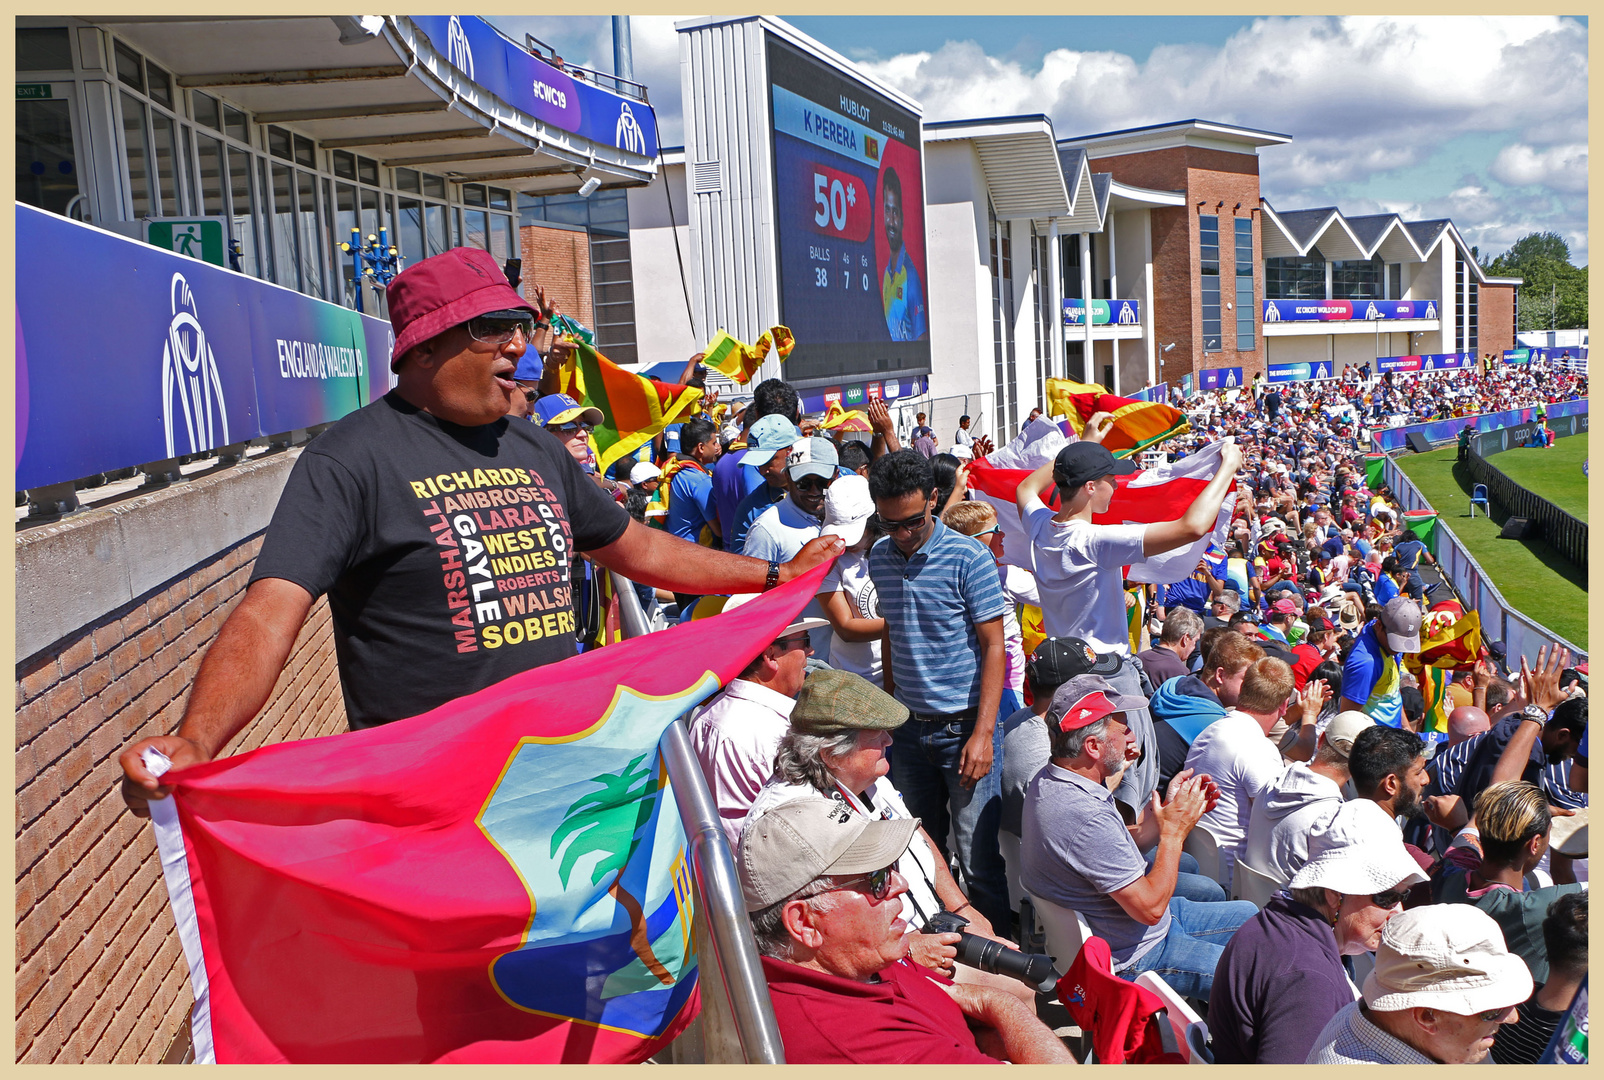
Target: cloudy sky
(1479, 119)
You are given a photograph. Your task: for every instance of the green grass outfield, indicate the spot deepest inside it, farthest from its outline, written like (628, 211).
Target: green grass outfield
(1554, 474)
(1544, 585)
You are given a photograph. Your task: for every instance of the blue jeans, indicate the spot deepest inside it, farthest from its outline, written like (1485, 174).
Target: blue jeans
(1190, 951)
(924, 768)
(1190, 883)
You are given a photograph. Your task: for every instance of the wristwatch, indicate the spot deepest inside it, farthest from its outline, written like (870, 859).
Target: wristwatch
(773, 577)
(1535, 713)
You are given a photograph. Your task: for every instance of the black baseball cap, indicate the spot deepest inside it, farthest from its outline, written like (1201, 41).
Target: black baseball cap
(1081, 462)
(1058, 660)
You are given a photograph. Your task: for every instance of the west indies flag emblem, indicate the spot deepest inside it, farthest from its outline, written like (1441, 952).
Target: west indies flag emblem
(502, 879)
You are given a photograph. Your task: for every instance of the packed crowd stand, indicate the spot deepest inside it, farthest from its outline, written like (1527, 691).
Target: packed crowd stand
(1233, 782)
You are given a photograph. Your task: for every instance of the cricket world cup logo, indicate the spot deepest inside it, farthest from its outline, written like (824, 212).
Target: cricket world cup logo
(189, 375)
(458, 53)
(628, 134)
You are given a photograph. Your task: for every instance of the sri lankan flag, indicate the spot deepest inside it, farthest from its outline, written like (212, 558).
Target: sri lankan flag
(739, 360)
(1434, 690)
(1137, 424)
(633, 409)
(838, 419)
(1450, 641)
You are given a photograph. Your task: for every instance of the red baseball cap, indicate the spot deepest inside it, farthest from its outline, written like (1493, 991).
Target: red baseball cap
(1086, 699)
(446, 290)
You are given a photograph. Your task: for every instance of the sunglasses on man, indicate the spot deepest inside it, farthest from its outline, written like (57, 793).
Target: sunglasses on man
(500, 327)
(888, 526)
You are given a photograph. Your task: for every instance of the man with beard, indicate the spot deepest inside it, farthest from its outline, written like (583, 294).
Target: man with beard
(1388, 766)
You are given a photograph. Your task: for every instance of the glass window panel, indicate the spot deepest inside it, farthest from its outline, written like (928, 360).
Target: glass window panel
(434, 186)
(42, 48)
(1244, 313)
(511, 240)
(235, 125)
(344, 219)
(245, 220)
(305, 152)
(409, 230)
(47, 170)
(285, 259)
(407, 180)
(500, 199)
(344, 164)
(210, 152)
(367, 171)
(164, 133)
(331, 241)
(161, 86)
(130, 67)
(279, 143)
(204, 106)
(311, 243)
(476, 229)
(500, 248)
(473, 195)
(137, 155)
(1356, 279)
(435, 228)
(370, 212)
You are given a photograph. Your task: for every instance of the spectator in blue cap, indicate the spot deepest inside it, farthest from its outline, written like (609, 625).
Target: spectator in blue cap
(571, 422)
(768, 445)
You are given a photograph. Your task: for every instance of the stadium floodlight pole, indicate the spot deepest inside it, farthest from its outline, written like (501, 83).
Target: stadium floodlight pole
(623, 52)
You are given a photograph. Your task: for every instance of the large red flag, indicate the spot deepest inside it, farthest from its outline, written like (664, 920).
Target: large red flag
(500, 879)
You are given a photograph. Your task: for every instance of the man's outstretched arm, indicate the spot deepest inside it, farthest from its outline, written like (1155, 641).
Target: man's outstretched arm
(663, 561)
(233, 684)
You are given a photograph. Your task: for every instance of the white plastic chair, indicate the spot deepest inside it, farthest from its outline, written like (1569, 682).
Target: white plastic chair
(1009, 843)
(1201, 845)
(1066, 931)
(1181, 1015)
(1197, 1044)
(1538, 878)
(1253, 885)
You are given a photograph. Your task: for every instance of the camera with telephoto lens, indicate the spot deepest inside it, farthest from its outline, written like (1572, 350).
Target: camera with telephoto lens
(1032, 969)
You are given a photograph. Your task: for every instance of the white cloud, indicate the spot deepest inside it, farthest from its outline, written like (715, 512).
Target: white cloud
(1563, 168)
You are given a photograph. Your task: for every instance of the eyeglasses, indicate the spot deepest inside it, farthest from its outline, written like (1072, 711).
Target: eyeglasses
(1492, 1016)
(500, 329)
(571, 427)
(795, 641)
(1390, 898)
(814, 484)
(988, 532)
(877, 884)
(905, 525)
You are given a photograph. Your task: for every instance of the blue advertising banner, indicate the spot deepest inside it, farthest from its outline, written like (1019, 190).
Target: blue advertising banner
(858, 395)
(1347, 310)
(1104, 312)
(1443, 430)
(531, 85)
(1545, 353)
(1288, 373)
(200, 357)
(1426, 362)
(1159, 393)
(1223, 378)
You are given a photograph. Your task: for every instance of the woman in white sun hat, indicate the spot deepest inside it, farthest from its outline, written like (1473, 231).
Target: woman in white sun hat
(1280, 979)
(1443, 985)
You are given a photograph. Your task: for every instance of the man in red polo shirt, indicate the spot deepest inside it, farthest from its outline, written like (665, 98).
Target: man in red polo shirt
(821, 890)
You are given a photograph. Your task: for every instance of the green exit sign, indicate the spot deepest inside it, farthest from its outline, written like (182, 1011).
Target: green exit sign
(199, 238)
(33, 91)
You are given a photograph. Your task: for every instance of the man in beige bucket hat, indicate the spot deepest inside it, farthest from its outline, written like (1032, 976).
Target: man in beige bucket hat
(1442, 986)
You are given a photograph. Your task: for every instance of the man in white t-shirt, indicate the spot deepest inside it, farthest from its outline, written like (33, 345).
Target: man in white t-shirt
(794, 520)
(735, 734)
(1079, 567)
(1237, 752)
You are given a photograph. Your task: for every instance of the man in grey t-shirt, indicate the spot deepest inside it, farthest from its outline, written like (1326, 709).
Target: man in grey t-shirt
(1076, 851)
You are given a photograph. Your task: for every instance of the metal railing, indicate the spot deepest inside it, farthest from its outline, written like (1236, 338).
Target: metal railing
(548, 53)
(1564, 531)
(735, 955)
(1521, 635)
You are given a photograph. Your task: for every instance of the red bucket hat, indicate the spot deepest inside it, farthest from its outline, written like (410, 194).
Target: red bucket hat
(432, 296)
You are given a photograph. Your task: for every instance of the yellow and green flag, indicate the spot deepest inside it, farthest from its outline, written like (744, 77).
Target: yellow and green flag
(633, 409)
(739, 360)
(1137, 424)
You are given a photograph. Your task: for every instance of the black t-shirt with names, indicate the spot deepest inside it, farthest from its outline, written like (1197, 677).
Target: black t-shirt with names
(445, 551)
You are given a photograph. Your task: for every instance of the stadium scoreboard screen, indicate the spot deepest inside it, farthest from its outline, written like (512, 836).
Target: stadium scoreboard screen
(849, 224)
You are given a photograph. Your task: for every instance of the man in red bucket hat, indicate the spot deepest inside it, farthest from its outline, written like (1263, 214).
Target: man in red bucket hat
(442, 532)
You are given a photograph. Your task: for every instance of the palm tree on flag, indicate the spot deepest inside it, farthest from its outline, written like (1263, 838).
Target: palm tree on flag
(610, 821)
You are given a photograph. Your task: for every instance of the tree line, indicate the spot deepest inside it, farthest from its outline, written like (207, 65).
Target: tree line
(1553, 293)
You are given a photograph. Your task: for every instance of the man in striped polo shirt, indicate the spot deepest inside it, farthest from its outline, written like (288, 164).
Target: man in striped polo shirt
(944, 659)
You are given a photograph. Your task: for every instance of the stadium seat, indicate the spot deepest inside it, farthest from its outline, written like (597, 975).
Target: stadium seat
(1197, 1044)
(1201, 845)
(1181, 1014)
(1478, 497)
(1253, 885)
(1066, 931)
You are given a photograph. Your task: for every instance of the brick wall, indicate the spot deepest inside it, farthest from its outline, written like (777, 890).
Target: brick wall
(1495, 314)
(100, 975)
(558, 259)
(1211, 177)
